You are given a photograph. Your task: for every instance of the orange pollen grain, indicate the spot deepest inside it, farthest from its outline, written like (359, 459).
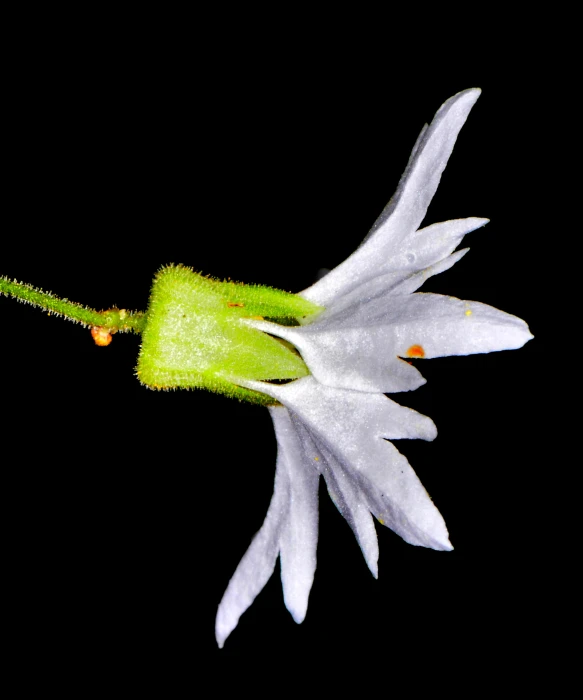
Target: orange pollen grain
(101, 336)
(415, 351)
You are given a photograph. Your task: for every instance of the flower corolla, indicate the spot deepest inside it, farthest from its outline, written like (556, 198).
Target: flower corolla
(337, 422)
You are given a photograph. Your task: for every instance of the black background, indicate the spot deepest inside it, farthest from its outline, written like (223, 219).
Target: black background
(127, 510)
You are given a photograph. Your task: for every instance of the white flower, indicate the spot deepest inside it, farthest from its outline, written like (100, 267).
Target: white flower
(337, 421)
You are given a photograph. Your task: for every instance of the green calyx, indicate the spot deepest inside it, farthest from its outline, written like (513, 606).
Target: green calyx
(195, 335)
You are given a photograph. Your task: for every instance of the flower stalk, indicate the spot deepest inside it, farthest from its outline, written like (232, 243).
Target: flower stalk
(111, 320)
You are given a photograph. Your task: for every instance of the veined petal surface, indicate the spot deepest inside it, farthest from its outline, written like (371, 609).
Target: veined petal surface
(346, 495)
(348, 359)
(352, 425)
(258, 562)
(440, 325)
(411, 284)
(418, 258)
(299, 537)
(290, 529)
(360, 348)
(408, 206)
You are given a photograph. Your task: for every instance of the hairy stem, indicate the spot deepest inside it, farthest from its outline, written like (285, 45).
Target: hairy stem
(113, 320)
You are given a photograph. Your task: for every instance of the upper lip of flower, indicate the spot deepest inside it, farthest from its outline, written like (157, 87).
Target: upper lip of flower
(338, 419)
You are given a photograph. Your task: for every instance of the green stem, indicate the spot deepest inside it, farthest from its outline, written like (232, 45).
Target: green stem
(112, 320)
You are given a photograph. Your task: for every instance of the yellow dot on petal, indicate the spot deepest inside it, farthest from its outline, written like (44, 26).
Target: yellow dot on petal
(316, 459)
(468, 312)
(381, 521)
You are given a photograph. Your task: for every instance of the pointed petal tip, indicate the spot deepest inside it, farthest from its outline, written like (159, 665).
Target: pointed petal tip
(224, 624)
(469, 97)
(522, 337)
(372, 559)
(298, 615)
(221, 636)
(442, 543)
(474, 92)
(373, 567)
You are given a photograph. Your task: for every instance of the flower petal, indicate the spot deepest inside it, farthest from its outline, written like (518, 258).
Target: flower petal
(433, 243)
(419, 254)
(412, 284)
(290, 529)
(258, 562)
(441, 325)
(348, 358)
(345, 494)
(360, 348)
(406, 209)
(352, 425)
(299, 537)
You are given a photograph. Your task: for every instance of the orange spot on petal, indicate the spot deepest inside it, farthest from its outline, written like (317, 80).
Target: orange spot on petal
(415, 351)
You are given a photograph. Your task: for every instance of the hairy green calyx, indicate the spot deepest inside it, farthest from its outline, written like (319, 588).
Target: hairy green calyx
(195, 335)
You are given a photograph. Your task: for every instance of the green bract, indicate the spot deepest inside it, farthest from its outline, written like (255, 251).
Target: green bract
(195, 335)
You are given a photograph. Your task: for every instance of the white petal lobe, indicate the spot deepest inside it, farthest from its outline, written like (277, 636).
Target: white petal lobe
(360, 348)
(412, 284)
(419, 253)
(345, 494)
(348, 358)
(258, 563)
(448, 326)
(352, 425)
(407, 208)
(299, 537)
